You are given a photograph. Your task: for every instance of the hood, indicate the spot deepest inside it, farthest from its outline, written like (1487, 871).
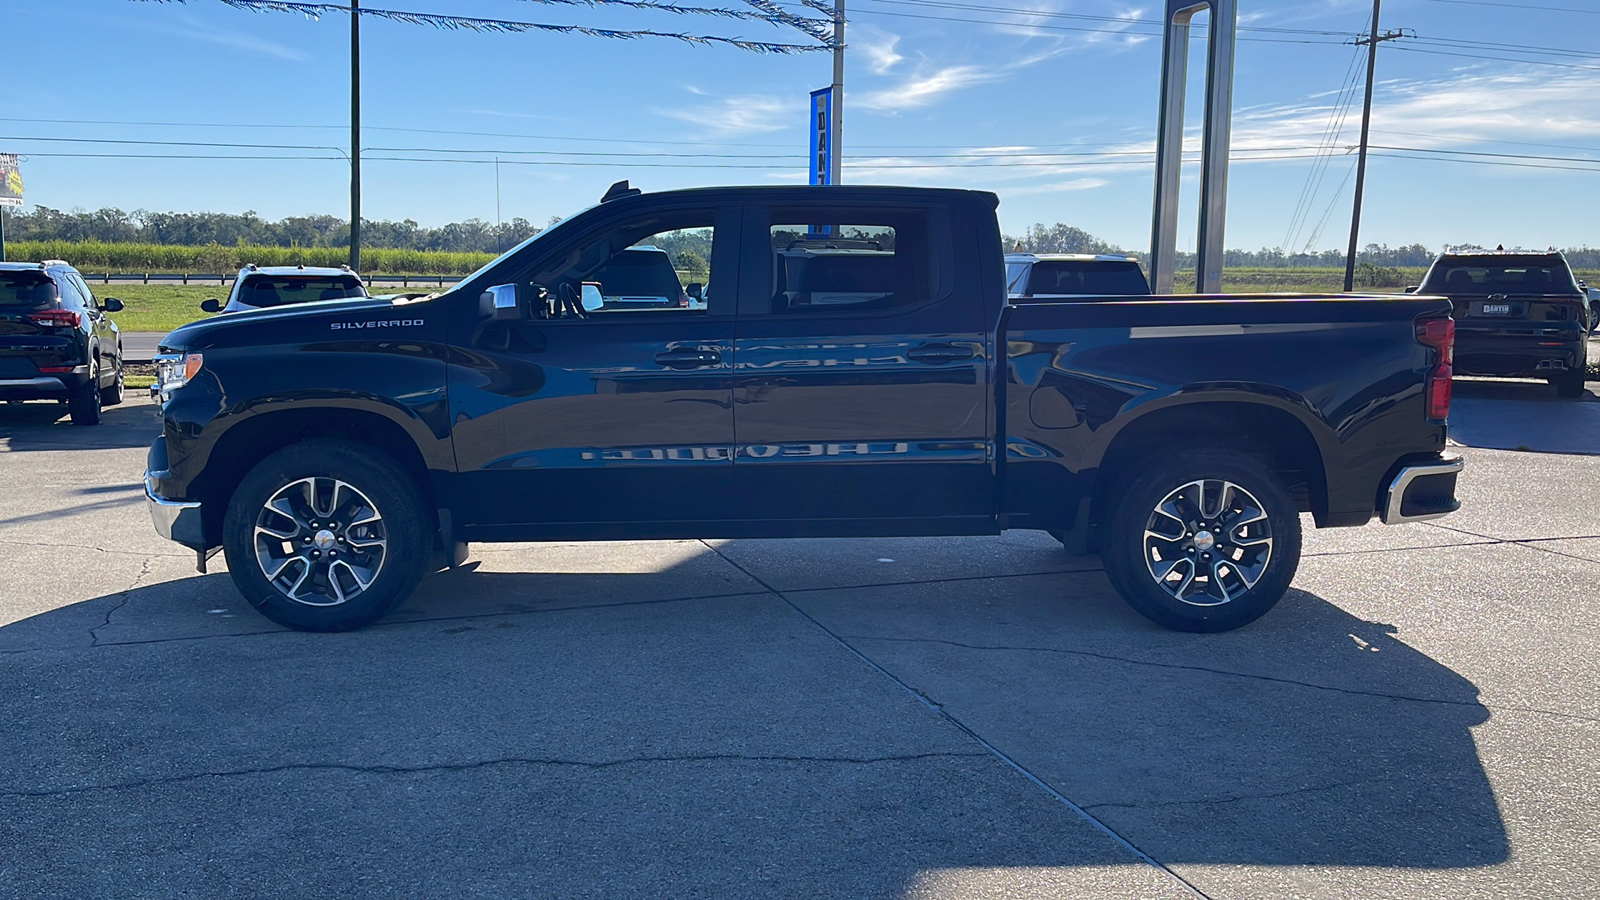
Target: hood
(299, 321)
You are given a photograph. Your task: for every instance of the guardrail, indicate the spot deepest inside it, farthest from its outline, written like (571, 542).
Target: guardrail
(187, 278)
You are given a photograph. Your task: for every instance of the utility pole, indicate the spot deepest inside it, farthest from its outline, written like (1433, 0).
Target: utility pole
(355, 135)
(1371, 44)
(835, 161)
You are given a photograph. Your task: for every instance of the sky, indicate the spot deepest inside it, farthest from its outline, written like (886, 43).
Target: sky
(1487, 113)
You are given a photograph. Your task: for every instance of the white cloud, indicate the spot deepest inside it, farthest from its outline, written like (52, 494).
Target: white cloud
(731, 116)
(924, 89)
(196, 30)
(878, 46)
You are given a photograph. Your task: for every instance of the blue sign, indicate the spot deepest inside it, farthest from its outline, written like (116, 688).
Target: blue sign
(822, 136)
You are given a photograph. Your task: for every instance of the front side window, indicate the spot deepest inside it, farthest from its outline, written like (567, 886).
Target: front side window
(1016, 275)
(656, 266)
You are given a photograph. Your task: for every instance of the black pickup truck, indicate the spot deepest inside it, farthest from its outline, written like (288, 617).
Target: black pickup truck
(855, 369)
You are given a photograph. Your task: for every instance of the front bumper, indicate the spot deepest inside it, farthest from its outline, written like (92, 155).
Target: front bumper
(175, 520)
(1424, 491)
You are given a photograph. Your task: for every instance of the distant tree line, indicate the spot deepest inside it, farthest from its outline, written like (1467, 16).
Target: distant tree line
(112, 225)
(198, 229)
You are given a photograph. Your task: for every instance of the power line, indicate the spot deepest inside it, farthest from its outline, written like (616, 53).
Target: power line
(509, 26)
(1478, 56)
(1592, 12)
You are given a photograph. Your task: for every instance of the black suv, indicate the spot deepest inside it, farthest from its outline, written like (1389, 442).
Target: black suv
(56, 341)
(1519, 315)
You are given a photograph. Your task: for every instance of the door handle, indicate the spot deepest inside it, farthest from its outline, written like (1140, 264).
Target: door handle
(940, 353)
(688, 359)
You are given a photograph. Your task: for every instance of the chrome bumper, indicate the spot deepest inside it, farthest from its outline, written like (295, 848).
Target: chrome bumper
(1419, 493)
(175, 520)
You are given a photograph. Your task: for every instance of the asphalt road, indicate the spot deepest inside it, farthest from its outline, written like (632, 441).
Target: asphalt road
(949, 718)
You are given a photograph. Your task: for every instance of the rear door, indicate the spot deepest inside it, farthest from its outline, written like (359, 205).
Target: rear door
(861, 382)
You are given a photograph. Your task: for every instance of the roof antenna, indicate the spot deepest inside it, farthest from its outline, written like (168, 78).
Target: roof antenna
(620, 190)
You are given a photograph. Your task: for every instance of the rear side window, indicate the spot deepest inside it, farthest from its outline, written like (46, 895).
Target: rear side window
(1098, 277)
(28, 290)
(822, 263)
(277, 290)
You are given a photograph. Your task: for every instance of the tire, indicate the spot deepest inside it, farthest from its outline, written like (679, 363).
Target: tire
(84, 404)
(113, 395)
(371, 513)
(1171, 505)
(1570, 384)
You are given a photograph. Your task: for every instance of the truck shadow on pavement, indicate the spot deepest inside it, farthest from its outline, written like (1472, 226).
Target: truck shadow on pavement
(615, 735)
(1527, 416)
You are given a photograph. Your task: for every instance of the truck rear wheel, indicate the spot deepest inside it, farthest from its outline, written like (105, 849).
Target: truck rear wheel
(326, 535)
(1205, 541)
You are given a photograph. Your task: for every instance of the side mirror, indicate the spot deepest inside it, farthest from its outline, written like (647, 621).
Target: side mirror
(500, 303)
(590, 297)
(111, 304)
(696, 291)
(212, 305)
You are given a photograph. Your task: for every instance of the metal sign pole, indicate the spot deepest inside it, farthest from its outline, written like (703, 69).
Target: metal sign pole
(355, 135)
(1218, 137)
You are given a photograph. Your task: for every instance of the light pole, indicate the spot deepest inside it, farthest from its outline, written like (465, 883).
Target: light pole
(355, 135)
(835, 161)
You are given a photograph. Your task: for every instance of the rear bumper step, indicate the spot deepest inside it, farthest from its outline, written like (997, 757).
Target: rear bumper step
(1423, 492)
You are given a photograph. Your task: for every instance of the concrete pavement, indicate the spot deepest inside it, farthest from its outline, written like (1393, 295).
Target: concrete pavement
(831, 718)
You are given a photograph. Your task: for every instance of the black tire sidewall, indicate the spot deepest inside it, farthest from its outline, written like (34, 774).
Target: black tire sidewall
(114, 394)
(365, 468)
(1122, 549)
(84, 405)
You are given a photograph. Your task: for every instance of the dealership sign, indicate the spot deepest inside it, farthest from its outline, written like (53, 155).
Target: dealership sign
(10, 180)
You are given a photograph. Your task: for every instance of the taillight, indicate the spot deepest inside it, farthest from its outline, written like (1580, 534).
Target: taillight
(68, 317)
(1440, 335)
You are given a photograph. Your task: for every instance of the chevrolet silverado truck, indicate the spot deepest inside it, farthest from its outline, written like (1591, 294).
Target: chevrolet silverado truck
(882, 385)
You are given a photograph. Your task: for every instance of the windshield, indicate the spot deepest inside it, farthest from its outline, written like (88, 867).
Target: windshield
(1097, 277)
(30, 290)
(1500, 275)
(262, 291)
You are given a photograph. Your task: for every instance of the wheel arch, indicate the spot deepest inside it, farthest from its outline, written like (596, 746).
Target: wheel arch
(1280, 438)
(259, 435)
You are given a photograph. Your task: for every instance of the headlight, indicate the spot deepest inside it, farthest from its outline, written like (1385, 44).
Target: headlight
(173, 370)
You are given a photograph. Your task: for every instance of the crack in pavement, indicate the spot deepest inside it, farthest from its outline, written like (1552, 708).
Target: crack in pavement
(58, 546)
(552, 762)
(1108, 657)
(1223, 800)
(994, 751)
(122, 600)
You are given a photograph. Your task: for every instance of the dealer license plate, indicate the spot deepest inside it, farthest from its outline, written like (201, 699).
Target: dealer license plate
(1496, 309)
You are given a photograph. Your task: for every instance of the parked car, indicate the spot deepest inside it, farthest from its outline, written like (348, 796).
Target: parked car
(1594, 307)
(1074, 275)
(333, 451)
(258, 287)
(642, 278)
(1517, 315)
(56, 341)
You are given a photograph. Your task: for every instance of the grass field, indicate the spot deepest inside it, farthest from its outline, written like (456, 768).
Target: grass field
(158, 307)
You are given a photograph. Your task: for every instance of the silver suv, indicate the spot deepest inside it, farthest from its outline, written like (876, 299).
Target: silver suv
(259, 287)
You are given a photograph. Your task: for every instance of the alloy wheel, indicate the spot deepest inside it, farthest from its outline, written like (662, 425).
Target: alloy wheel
(1208, 542)
(320, 541)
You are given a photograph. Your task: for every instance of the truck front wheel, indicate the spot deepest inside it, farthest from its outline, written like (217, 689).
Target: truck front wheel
(326, 535)
(1207, 541)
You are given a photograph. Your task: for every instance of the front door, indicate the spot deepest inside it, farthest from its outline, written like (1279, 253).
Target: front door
(609, 408)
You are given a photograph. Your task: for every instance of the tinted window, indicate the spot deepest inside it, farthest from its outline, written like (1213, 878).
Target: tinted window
(277, 290)
(71, 296)
(1096, 277)
(27, 289)
(83, 288)
(836, 266)
(1015, 273)
(1499, 275)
